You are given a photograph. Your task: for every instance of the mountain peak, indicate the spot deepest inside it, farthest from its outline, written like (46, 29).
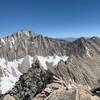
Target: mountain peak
(82, 40)
(25, 32)
(94, 38)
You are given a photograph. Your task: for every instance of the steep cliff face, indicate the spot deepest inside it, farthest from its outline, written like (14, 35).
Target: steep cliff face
(83, 65)
(28, 43)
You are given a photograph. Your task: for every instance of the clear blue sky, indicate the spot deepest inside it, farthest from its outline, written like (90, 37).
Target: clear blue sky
(56, 18)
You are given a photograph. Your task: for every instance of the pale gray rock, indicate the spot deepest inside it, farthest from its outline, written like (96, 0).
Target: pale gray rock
(8, 97)
(25, 65)
(26, 42)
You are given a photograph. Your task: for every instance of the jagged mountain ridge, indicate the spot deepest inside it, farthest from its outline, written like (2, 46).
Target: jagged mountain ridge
(83, 64)
(83, 54)
(28, 43)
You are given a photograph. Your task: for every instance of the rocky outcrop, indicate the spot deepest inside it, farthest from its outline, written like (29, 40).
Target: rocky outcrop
(79, 68)
(79, 93)
(38, 84)
(61, 94)
(86, 47)
(79, 71)
(8, 97)
(55, 85)
(25, 65)
(30, 83)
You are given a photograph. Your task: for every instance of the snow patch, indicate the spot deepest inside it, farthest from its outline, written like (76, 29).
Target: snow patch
(51, 59)
(8, 80)
(3, 41)
(88, 51)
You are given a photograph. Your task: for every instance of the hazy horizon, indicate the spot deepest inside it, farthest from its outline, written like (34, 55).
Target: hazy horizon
(66, 37)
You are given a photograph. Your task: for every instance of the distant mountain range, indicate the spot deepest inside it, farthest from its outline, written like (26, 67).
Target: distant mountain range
(70, 39)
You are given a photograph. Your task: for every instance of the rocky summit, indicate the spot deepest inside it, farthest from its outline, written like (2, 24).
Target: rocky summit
(35, 67)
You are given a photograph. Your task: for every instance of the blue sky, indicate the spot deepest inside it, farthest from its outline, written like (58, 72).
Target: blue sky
(55, 18)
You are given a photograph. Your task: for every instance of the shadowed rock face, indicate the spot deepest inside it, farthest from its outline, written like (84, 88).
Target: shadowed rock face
(1, 72)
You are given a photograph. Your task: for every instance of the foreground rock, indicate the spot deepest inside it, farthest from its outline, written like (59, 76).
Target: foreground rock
(80, 93)
(77, 94)
(30, 83)
(38, 84)
(8, 97)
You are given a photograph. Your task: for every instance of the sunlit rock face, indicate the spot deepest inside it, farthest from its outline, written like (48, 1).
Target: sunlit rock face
(26, 42)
